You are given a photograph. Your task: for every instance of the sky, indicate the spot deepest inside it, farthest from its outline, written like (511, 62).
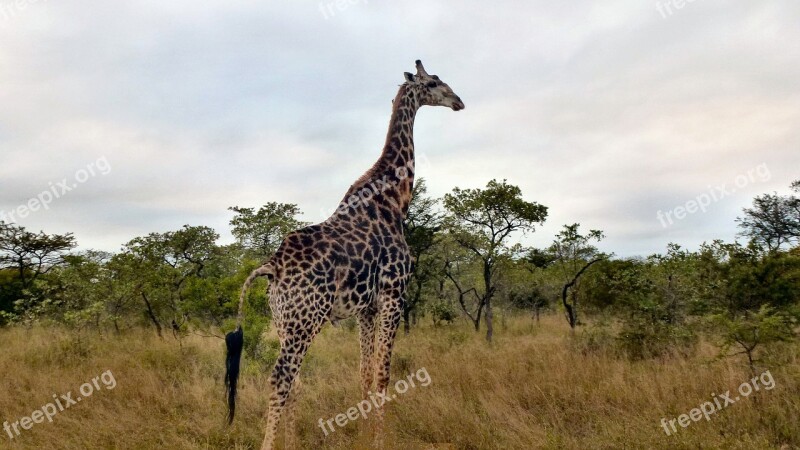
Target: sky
(655, 122)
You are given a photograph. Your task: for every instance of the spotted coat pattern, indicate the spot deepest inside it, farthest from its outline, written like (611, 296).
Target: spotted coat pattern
(355, 263)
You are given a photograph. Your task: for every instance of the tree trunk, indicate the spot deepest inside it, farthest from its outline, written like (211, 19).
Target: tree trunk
(574, 294)
(22, 278)
(152, 315)
(479, 313)
(569, 309)
(489, 315)
(476, 320)
(489, 291)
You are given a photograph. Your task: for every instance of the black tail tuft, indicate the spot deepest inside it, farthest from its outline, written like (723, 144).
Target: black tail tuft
(234, 341)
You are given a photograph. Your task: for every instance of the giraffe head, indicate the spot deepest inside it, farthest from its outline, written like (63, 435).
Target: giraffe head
(432, 90)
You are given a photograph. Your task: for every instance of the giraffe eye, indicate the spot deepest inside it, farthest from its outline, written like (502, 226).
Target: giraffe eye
(431, 84)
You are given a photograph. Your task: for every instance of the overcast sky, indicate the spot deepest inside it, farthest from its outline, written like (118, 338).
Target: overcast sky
(606, 112)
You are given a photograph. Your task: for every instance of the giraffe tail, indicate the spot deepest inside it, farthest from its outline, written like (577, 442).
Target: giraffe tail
(234, 341)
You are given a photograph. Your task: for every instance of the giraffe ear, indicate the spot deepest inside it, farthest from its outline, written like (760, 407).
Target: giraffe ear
(409, 77)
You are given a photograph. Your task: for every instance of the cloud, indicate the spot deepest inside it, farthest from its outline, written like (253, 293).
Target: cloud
(604, 112)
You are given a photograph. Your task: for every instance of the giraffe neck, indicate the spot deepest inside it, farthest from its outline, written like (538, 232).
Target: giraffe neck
(391, 178)
(398, 152)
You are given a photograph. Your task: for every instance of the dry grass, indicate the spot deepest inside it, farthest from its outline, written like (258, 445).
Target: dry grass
(532, 389)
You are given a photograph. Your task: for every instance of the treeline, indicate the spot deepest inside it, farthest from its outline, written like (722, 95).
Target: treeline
(468, 265)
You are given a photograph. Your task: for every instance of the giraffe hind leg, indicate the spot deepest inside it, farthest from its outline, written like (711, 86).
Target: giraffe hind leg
(290, 427)
(285, 372)
(388, 321)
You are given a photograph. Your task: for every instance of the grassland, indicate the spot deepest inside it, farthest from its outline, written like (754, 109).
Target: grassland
(535, 387)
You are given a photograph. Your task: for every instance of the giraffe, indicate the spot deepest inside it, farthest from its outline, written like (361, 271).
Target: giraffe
(355, 263)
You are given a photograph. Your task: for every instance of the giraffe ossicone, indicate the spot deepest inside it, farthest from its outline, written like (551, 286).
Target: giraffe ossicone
(355, 263)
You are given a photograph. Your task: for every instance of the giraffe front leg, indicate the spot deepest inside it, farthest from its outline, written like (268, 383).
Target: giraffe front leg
(388, 321)
(366, 325)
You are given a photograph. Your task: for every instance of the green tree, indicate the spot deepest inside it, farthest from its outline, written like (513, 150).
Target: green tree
(654, 297)
(481, 221)
(735, 278)
(164, 264)
(421, 227)
(753, 297)
(261, 232)
(24, 258)
(574, 255)
(753, 330)
(461, 267)
(82, 294)
(773, 221)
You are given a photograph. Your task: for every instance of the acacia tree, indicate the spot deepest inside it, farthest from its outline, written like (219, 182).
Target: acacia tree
(27, 256)
(773, 221)
(421, 227)
(574, 254)
(754, 296)
(753, 330)
(534, 295)
(163, 265)
(481, 221)
(261, 232)
(31, 254)
(458, 265)
(82, 294)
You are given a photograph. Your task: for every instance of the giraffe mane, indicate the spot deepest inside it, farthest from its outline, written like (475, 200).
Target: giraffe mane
(370, 173)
